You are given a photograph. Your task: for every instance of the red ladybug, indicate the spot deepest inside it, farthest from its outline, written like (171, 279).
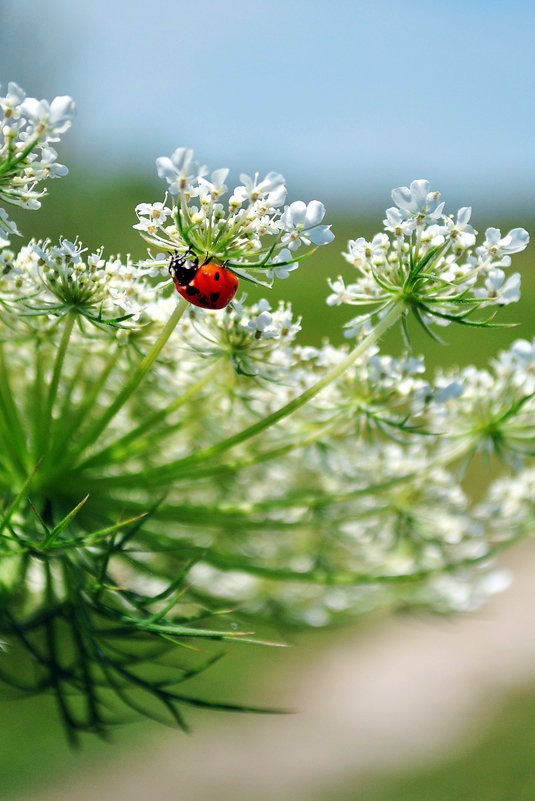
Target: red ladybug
(208, 285)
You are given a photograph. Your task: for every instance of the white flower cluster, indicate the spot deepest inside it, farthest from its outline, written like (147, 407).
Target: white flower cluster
(253, 229)
(493, 408)
(256, 339)
(27, 158)
(509, 508)
(401, 532)
(53, 279)
(377, 521)
(429, 260)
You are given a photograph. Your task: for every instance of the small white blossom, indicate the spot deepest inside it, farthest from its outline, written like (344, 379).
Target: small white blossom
(252, 190)
(418, 201)
(52, 119)
(26, 156)
(498, 288)
(497, 249)
(430, 266)
(12, 102)
(301, 223)
(180, 171)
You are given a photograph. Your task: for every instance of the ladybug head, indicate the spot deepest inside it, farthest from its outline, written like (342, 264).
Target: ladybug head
(183, 269)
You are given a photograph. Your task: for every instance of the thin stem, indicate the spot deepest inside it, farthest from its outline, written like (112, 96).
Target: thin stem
(464, 446)
(38, 399)
(12, 431)
(58, 677)
(137, 377)
(157, 417)
(9, 164)
(171, 470)
(179, 466)
(54, 382)
(72, 420)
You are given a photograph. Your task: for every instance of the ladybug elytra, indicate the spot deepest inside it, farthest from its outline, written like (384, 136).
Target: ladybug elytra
(208, 285)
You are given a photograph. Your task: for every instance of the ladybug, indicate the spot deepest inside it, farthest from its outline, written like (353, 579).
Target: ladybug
(208, 285)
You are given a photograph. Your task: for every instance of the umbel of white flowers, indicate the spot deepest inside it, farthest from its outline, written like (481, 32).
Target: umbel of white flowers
(252, 232)
(27, 157)
(430, 261)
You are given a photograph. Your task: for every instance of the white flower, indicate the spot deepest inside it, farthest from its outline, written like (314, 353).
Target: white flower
(301, 222)
(248, 230)
(216, 186)
(453, 389)
(7, 226)
(262, 323)
(524, 350)
(284, 270)
(498, 289)
(340, 293)
(48, 167)
(460, 230)
(497, 248)
(418, 201)
(360, 250)
(54, 118)
(271, 188)
(180, 170)
(397, 223)
(158, 212)
(11, 103)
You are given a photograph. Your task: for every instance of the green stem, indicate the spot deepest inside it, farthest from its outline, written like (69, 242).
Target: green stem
(11, 428)
(9, 164)
(70, 319)
(171, 471)
(467, 443)
(137, 377)
(72, 419)
(121, 444)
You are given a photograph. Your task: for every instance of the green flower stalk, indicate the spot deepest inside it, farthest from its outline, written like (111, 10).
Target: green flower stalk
(162, 463)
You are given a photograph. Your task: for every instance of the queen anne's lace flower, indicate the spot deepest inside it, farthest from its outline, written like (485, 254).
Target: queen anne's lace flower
(191, 461)
(26, 157)
(428, 264)
(55, 279)
(418, 202)
(251, 233)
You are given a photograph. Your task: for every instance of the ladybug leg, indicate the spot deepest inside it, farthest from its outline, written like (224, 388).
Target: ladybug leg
(209, 260)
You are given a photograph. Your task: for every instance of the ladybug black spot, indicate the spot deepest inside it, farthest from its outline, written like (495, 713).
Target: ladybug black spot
(217, 276)
(192, 291)
(214, 296)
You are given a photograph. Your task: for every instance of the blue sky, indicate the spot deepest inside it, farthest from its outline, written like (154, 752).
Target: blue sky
(346, 99)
